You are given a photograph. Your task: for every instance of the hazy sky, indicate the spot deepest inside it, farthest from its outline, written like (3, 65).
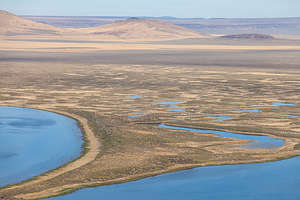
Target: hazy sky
(177, 8)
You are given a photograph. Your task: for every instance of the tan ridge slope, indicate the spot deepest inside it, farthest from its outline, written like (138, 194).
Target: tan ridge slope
(133, 29)
(11, 24)
(141, 29)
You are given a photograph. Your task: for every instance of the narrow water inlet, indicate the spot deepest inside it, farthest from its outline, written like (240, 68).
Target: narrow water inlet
(218, 118)
(257, 141)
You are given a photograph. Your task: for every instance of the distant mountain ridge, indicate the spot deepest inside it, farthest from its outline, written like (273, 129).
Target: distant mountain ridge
(142, 29)
(11, 24)
(210, 26)
(131, 29)
(248, 36)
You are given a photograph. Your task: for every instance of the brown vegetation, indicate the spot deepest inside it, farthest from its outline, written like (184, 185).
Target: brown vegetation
(93, 80)
(135, 147)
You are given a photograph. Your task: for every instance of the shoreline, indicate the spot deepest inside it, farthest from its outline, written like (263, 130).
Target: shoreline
(68, 189)
(90, 150)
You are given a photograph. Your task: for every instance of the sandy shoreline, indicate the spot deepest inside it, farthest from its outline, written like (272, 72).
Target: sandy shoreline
(92, 151)
(93, 146)
(7, 45)
(66, 189)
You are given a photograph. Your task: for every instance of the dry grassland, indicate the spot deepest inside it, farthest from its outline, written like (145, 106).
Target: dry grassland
(90, 88)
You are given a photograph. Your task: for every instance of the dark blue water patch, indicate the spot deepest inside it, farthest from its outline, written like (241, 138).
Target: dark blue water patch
(278, 180)
(135, 115)
(21, 122)
(135, 97)
(4, 155)
(294, 116)
(33, 142)
(245, 111)
(218, 118)
(283, 104)
(168, 103)
(176, 110)
(257, 141)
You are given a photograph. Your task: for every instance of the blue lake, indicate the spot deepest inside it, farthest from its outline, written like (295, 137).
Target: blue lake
(260, 181)
(278, 180)
(168, 103)
(244, 111)
(289, 116)
(268, 107)
(218, 118)
(283, 104)
(135, 97)
(135, 115)
(176, 110)
(258, 141)
(33, 142)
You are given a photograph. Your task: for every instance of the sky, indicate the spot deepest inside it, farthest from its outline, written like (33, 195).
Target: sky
(156, 8)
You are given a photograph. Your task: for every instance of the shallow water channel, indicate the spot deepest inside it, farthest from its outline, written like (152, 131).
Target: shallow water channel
(257, 141)
(33, 142)
(273, 180)
(27, 136)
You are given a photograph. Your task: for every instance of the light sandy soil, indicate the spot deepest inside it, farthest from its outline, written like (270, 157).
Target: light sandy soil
(30, 46)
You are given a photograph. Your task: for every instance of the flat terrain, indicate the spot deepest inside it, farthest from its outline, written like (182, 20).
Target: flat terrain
(95, 81)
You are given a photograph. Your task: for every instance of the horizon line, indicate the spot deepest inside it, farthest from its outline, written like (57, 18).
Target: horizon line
(166, 17)
(140, 16)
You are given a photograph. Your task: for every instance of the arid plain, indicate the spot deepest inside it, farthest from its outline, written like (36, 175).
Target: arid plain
(95, 80)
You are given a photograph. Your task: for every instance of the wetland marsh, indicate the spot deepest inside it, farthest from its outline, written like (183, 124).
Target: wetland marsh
(104, 90)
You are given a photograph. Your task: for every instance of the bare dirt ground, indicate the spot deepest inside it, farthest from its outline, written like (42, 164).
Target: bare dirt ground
(95, 86)
(73, 46)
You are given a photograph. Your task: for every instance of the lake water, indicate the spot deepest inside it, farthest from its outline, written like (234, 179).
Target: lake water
(289, 116)
(244, 111)
(218, 118)
(176, 110)
(135, 97)
(271, 107)
(260, 181)
(258, 141)
(34, 141)
(278, 180)
(135, 115)
(283, 104)
(168, 103)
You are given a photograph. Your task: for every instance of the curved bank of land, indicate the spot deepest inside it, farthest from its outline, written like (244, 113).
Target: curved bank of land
(89, 152)
(92, 150)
